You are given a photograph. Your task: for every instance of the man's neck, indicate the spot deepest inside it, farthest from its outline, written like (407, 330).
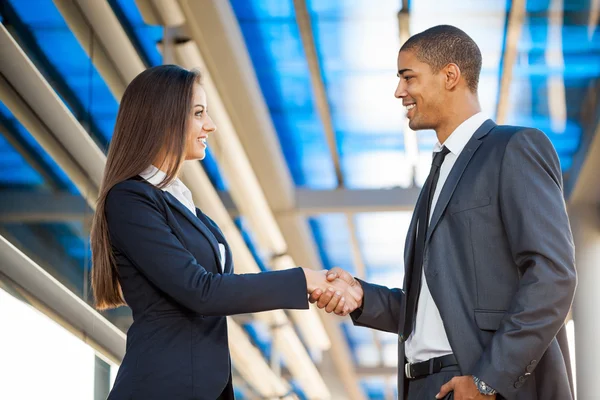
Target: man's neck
(457, 116)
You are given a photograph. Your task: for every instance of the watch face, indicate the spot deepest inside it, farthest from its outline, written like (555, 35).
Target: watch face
(484, 389)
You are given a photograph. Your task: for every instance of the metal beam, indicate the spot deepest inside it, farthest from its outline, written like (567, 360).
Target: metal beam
(35, 104)
(310, 202)
(516, 18)
(52, 298)
(557, 102)
(14, 139)
(215, 30)
(594, 17)
(38, 207)
(411, 143)
(31, 207)
(320, 94)
(115, 42)
(94, 48)
(318, 86)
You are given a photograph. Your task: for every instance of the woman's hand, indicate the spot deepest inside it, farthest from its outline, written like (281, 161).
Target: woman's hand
(345, 297)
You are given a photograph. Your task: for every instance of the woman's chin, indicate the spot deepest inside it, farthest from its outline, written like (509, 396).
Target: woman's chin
(196, 156)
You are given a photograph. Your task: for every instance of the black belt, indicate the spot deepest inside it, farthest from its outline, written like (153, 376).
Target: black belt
(431, 366)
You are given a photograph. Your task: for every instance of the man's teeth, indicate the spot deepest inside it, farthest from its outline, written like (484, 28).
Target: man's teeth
(410, 106)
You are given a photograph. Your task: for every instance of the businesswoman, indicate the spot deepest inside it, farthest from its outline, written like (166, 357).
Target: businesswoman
(154, 251)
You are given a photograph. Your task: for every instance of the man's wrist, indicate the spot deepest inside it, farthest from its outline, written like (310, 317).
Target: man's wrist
(362, 293)
(483, 387)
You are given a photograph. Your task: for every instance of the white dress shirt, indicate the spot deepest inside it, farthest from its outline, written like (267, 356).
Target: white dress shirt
(181, 192)
(429, 338)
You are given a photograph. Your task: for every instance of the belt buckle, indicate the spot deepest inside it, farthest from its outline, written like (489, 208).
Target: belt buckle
(407, 371)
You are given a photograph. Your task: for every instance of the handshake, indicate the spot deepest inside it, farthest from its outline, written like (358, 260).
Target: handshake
(334, 290)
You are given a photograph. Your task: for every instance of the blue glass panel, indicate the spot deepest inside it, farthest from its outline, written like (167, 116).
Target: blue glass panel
(260, 336)
(374, 388)
(239, 393)
(65, 54)
(360, 339)
(558, 58)
(147, 36)
(273, 41)
(74, 245)
(58, 175)
(246, 233)
(357, 46)
(41, 243)
(14, 170)
(212, 170)
(333, 240)
(298, 390)
(381, 238)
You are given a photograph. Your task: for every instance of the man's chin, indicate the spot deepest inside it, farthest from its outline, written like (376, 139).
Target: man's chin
(414, 125)
(417, 125)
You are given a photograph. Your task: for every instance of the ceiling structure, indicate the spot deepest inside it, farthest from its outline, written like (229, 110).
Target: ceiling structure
(313, 164)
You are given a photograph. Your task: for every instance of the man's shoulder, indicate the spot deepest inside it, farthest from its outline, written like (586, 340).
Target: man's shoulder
(515, 133)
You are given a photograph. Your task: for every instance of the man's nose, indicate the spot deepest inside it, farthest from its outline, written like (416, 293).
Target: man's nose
(400, 90)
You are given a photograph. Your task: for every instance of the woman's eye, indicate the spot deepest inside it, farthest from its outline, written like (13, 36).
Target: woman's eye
(199, 113)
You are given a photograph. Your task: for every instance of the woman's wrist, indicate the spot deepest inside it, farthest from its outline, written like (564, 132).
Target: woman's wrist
(312, 278)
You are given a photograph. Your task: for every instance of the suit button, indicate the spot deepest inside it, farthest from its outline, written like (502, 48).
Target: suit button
(518, 385)
(530, 368)
(533, 362)
(521, 379)
(400, 338)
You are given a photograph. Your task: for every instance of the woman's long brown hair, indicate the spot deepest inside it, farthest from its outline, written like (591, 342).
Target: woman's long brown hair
(151, 123)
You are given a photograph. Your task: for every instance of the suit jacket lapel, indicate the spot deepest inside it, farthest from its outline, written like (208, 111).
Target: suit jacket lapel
(456, 173)
(228, 269)
(173, 202)
(409, 244)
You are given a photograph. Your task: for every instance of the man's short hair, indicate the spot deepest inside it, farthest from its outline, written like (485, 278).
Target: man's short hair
(445, 44)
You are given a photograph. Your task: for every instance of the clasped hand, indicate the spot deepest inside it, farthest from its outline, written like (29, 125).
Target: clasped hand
(334, 290)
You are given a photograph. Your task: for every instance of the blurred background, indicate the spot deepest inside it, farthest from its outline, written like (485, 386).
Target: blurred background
(313, 164)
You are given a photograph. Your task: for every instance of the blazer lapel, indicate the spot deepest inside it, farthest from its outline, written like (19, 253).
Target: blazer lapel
(409, 243)
(456, 173)
(228, 269)
(173, 202)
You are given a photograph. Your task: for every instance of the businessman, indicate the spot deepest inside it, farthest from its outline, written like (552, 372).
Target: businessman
(489, 256)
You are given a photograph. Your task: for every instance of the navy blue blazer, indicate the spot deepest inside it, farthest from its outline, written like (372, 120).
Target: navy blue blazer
(169, 269)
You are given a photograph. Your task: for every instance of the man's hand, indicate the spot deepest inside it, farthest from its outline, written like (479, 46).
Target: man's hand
(342, 296)
(327, 299)
(464, 389)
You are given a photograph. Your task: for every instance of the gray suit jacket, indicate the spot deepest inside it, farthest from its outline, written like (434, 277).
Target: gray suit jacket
(499, 262)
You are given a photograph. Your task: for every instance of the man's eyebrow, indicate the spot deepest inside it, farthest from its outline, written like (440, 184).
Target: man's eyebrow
(402, 71)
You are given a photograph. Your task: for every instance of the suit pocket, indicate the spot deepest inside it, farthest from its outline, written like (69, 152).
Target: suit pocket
(470, 204)
(489, 320)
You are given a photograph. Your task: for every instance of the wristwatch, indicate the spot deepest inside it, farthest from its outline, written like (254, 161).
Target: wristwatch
(483, 387)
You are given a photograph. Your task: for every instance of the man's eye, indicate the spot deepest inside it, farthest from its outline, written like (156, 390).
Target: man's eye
(406, 78)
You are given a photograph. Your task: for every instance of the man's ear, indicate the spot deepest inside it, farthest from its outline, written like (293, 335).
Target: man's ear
(452, 75)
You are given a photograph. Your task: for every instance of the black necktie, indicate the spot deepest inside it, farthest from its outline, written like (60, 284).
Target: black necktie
(413, 280)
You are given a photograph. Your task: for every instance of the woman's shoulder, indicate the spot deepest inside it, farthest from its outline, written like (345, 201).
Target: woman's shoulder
(130, 189)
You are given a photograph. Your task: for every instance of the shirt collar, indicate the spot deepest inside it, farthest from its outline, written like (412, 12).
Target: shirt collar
(458, 139)
(154, 175)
